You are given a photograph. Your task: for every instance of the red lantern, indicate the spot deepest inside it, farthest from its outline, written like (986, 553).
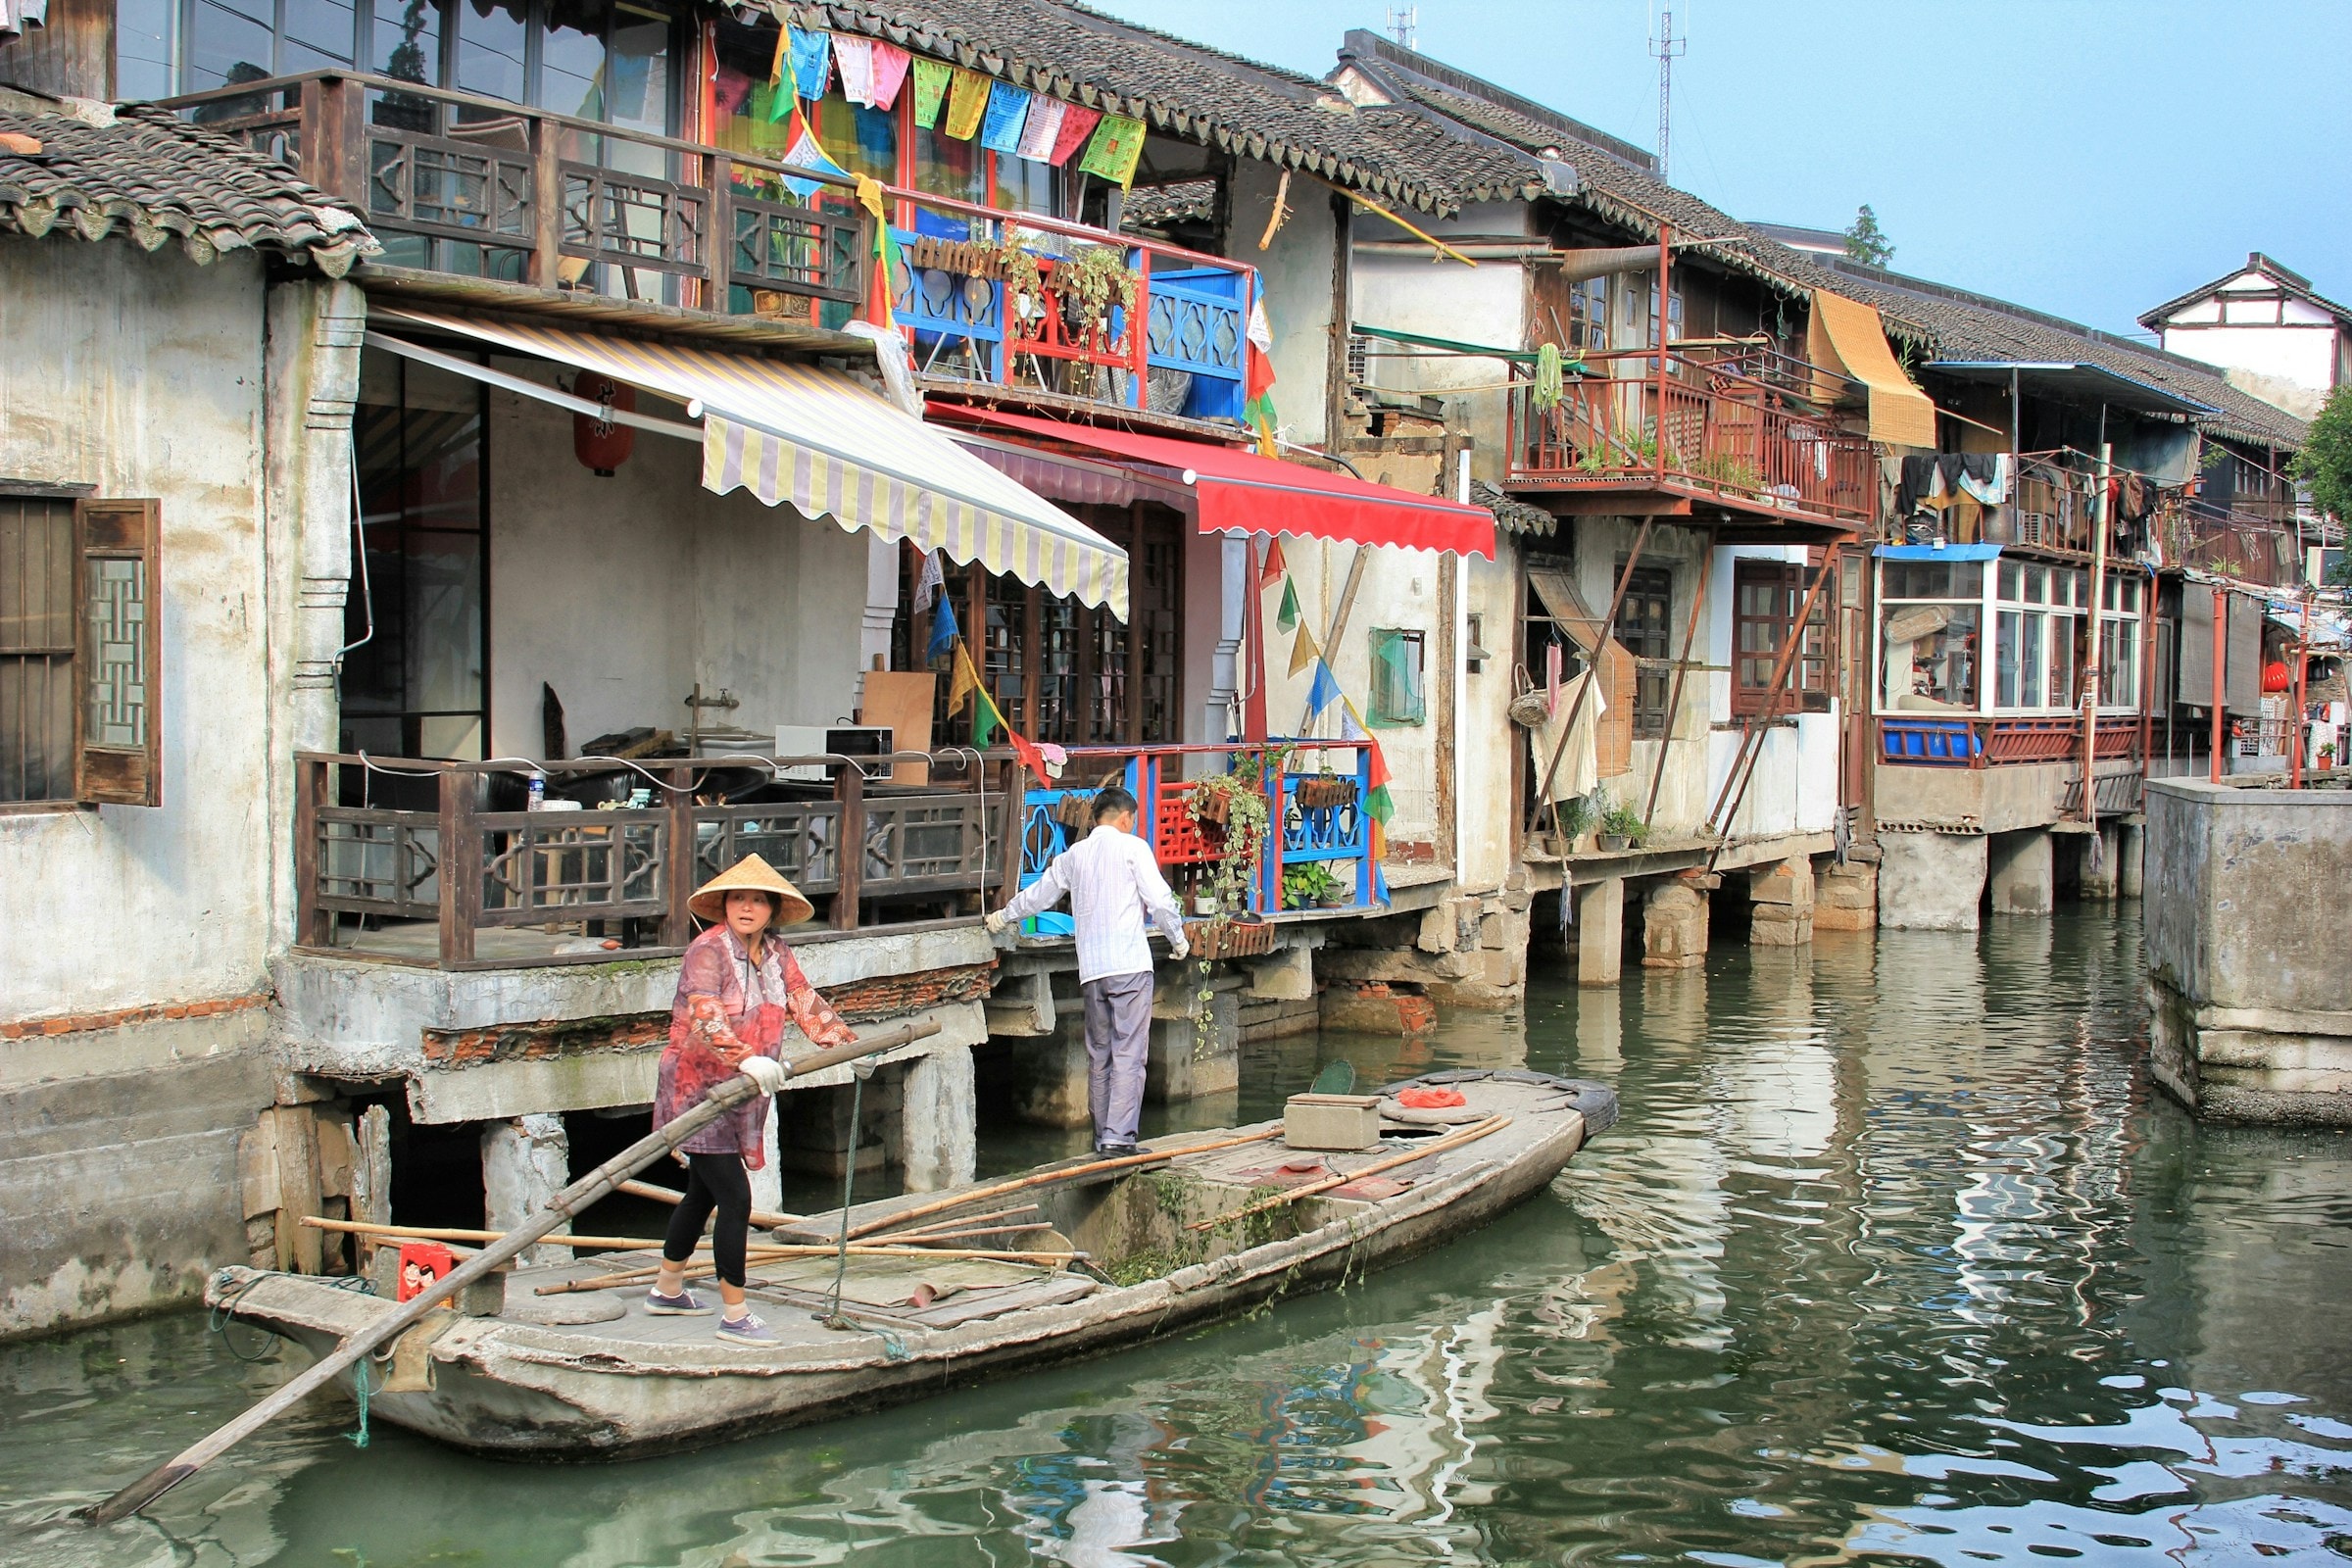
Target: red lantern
(601, 442)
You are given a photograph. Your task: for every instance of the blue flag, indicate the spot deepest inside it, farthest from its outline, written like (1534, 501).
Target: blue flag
(943, 630)
(1008, 114)
(1322, 691)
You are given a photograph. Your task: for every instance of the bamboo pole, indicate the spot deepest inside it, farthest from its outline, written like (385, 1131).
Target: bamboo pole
(1149, 1156)
(597, 1184)
(429, 1233)
(778, 1254)
(663, 1194)
(960, 1219)
(1453, 1140)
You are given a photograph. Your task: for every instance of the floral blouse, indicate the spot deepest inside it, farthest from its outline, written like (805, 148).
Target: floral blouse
(727, 1009)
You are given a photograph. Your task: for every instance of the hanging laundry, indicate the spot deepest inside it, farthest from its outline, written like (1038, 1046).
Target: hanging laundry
(853, 58)
(890, 73)
(931, 78)
(1077, 124)
(967, 104)
(1044, 125)
(1112, 151)
(1553, 668)
(1008, 114)
(1982, 477)
(811, 62)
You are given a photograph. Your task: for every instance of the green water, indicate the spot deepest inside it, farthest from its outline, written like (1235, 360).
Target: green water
(1896, 1257)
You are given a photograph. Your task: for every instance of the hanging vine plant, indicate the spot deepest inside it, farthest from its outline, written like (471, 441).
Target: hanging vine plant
(1231, 814)
(1095, 279)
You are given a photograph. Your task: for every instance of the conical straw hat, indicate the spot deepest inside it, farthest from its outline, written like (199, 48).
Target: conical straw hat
(709, 900)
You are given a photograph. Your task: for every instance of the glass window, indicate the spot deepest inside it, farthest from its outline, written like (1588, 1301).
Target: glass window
(2064, 629)
(1644, 627)
(1934, 579)
(946, 167)
(229, 44)
(406, 40)
(1396, 686)
(1766, 596)
(492, 38)
(861, 140)
(2119, 664)
(146, 34)
(637, 86)
(1929, 656)
(324, 27)
(1024, 187)
(2012, 585)
(2005, 634)
(2038, 585)
(2030, 660)
(572, 59)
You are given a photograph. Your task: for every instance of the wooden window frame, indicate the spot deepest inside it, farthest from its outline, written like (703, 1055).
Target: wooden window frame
(1793, 578)
(1647, 583)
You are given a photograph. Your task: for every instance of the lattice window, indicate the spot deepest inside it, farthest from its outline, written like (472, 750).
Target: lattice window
(1766, 596)
(1644, 627)
(80, 654)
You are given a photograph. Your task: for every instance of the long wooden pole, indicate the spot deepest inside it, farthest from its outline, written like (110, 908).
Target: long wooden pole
(665, 1195)
(1600, 647)
(1044, 1178)
(1681, 668)
(1453, 1140)
(597, 1184)
(2220, 659)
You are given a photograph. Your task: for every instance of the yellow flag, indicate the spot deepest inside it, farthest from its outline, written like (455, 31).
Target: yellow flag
(1303, 652)
(967, 104)
(964, 681)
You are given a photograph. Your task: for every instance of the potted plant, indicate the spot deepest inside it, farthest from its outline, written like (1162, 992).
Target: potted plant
(2327, 755)
(1229, 812)
(1619, 828)
(1311, 885)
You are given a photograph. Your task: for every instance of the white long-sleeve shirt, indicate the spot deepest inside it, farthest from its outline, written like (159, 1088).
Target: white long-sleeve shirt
(1113, 883)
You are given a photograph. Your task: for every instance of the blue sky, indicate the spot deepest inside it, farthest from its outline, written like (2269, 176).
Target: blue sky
(2092, 158)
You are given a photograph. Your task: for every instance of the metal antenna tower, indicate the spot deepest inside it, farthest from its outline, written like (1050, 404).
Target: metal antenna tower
(1404, 26)
(1666, 47)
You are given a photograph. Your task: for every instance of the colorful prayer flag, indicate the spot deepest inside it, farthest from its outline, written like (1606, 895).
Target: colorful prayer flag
(1008, 114)
(967, 104)
(807, 151)
(1026, 749)
(931, 78)
(1303, 652)
(890, 73)
(1258, 377)
(855, 57)
(1323, 690)
(1077, 124)
(1112, 151)
(1044, 126)
(944, 635)
(812, 62)
(932, 581)
(1274, 568)
(1350, 729)
(1287, 617)
(963, 682)
(986, 716)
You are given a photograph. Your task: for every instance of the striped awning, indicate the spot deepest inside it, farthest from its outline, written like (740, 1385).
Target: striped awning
(833, 449)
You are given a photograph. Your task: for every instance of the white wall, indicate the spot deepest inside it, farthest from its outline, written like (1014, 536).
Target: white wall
(1295, 271)
(1794, 785)
(623, 592)
(142, 375)
(2292, 340)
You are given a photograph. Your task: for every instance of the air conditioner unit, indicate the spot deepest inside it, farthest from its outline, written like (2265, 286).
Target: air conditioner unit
(839, 740)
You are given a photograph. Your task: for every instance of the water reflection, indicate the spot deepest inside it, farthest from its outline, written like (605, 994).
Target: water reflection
(1894, 1259)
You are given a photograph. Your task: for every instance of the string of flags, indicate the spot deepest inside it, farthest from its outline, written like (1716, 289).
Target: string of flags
(965, 684)
(1323, 687)
(966, 105)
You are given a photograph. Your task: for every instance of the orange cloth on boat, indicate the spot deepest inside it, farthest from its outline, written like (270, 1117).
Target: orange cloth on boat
(1430, 1099)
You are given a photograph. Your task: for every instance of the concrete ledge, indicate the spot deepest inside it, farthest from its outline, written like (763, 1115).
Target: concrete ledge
(598, 1080)
(143, 1046)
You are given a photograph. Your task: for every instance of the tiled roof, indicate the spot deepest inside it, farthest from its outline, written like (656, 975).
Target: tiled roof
(1188, 89)
(2292, 282)
(1186, 201)
(153, 177)
(1513, 516)
(1972, 326)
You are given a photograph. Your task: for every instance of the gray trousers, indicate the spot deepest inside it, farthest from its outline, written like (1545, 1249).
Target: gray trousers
(1118, 1046)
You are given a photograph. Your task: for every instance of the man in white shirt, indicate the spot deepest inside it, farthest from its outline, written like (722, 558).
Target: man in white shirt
(1112, 883)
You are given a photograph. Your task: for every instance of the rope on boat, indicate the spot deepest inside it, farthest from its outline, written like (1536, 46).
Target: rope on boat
(218, 1319)
(849, 1179)
(358, 1382)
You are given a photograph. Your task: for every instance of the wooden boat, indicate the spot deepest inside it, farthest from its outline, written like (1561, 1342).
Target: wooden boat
(564, 1373)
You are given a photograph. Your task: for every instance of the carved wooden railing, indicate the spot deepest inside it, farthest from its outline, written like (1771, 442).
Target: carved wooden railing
(611, 880)
(1712, 425)
(492, 189)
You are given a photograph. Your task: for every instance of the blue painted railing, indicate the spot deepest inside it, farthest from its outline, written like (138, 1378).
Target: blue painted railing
(1335, 831)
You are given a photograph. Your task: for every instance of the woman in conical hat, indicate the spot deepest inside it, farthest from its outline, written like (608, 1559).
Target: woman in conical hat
(737, 989)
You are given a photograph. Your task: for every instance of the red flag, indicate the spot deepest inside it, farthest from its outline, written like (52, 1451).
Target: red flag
(1269, 574)
(1026, 749)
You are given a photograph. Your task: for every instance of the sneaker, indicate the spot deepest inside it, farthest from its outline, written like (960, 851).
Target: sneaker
(683, 1304)
(746, 1330)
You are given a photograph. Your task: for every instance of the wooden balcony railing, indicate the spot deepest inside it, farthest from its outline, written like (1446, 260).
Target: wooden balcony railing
(460, 184)
(2001, 742)
(1718, 425)
(2251, 547)
(1323, 818)
(467, 881)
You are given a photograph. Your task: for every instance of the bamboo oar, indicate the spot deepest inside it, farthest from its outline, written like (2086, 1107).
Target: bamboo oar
(429, 1233)
(663, 1194)
(1149, 1156)
(1454, 1140)
(598, 1183)
(926, 1237)
(960, 1219)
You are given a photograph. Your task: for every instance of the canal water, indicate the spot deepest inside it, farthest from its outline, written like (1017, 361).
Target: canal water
(1896, 1257)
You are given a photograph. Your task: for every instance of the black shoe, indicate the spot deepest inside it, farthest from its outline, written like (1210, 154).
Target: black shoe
(1116, 1150)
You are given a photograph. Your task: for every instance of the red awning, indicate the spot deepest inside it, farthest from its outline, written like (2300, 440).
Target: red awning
(1242, 492)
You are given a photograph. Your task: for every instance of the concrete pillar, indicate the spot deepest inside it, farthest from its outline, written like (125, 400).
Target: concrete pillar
(1845, 898)
(2022, 871)
(1674, 925)
(1599, 931)
(524, 1162)
(938, 1120)
(1190, 1061)
(2131, 847)
(1780, 904)
(2097, 876)
(1929, 881)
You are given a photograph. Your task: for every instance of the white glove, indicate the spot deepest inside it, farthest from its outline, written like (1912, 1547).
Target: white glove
(1179, 948)
(995, 923)
(765, 1071)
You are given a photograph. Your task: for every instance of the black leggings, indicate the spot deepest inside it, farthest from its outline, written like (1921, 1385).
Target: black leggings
(713, 1182)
